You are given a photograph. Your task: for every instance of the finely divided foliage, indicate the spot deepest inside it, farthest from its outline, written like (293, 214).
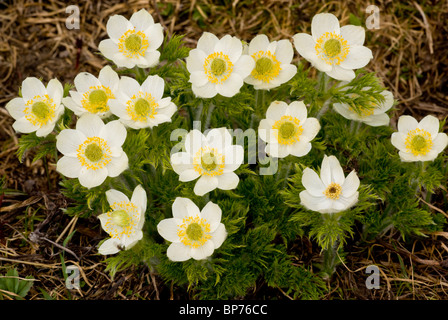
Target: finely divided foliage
(208, 164)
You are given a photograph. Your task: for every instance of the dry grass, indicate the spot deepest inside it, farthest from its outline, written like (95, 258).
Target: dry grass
(409, 55)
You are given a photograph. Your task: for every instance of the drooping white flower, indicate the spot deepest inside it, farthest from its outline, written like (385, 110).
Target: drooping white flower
(93, 151)
(333, 49)
(218, 66)
(124, 221)
(142, 106)
(39, 108)
(287, 130)
(272, 62)
(332, 192)
(375, 116)
(92, 94)
(419, 141)
(212, 158)
(133, 42)
(193, 233)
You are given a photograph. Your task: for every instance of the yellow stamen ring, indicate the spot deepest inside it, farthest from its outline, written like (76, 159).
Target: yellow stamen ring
(94, 153)
(332, 48)
(194, 232)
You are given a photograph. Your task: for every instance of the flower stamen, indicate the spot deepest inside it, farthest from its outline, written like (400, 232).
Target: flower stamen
(332, 48)
(288, 130)
(419, 142)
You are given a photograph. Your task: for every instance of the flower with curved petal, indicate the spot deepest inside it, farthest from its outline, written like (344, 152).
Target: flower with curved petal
(133, 42)
(193, 233)
(374, 116)
(272, 62)
(93, 151)
(218, 66)
(419, 141)
(212, 158)
(93, 94)
(333, 49)
(142, 106)
(287, 130)
(124, 221)
(332, 192)
(39, 108)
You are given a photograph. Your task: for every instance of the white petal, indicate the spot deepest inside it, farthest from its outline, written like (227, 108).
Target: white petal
(129, 86)
(204, 251)
(430, 124)
(244, 66)
(228, 181)
(90, 125)
(312, 182)
(234, 157)
(24, 126)
(354, 35)
(109, 49)
(194, 140)
(110, 246)
(322, 23)
(188, 175)
(287, 72)
(300, 148)
(16, 107)
(376, 120)
(277, 150)
(114, 133)
(181, 161)
(276, 110)
(155, 35)
(358, 57)
(141, 20)
(398, 140)
(284, 51)
(207, 43)
(231, 86)
(440, 142)
(116, 26)
(178, 252)
(331, 171)
(343, 110)
(113, 196)
(84, 81)
(119, 109)
(344, 203)
(305, 46)
(297, 109)
(313, 203)
(407, 156)
(32, 87)
(406, 124)
(109, 78)
(167, 228)
(70, 103)
(69, 167)
(46, 129)
(264, 130)
(92, 178)
(340, 73)
(311, 128)
(139, 198)
(198, 78)
(351, 184)
(230, 46)
(183, 208)
(219, 138)
(219, 235)
(155, 86)
(195, 60)
(258, 43)
(55, 91)
(205, 184)
(117, 165)
(212, 213)
(68, 141)
(207, 91)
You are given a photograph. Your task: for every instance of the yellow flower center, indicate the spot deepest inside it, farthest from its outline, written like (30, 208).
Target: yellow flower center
(95, 99)
(333, 191)
(122, 219)
(194, 232)
(267, 67)
(218, 67)
(332, 48)
(94, 153)
(141, 107)
(132, 44)
(40, 110)
(418, 142)
(288, 130)
(209, 162)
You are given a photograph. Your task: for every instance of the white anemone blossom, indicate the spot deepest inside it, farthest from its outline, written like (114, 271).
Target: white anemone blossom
(133, 42)
(331, 192)
(92, 94)
(212, 158)
(374, 116)
(333, 49)
(287, 130)
(39, 108)
(141, 106)
(218, 66)
(124, 221)
(193, 233)
(272, 62)
(419, 141)
(93, 151)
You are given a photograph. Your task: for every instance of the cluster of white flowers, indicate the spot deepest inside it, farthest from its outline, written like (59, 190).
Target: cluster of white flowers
(93, 150)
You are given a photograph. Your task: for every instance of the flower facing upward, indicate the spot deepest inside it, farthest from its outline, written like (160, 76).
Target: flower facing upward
(212, 158)
(272, 62)
(92, 94)
(39, 108)
(331, 192)
(287, 130)
(124, 221)
(92, 151)
(142, 106)
(419, 141)
(374, 116)
(133, 42)
(193, 233)
(218, 66)
(332, 49)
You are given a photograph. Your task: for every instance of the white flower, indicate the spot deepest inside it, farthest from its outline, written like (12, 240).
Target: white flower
(331, 192)
(92, 151)
(333, 50)
(124, 221)
(272, 62)
(212, 158)
(218, 66)
(193, 233)
(92, 94)
(287, 130)
(419, 141)
(142, 106)
(39, 108)
(375, 116)
(133, 42)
